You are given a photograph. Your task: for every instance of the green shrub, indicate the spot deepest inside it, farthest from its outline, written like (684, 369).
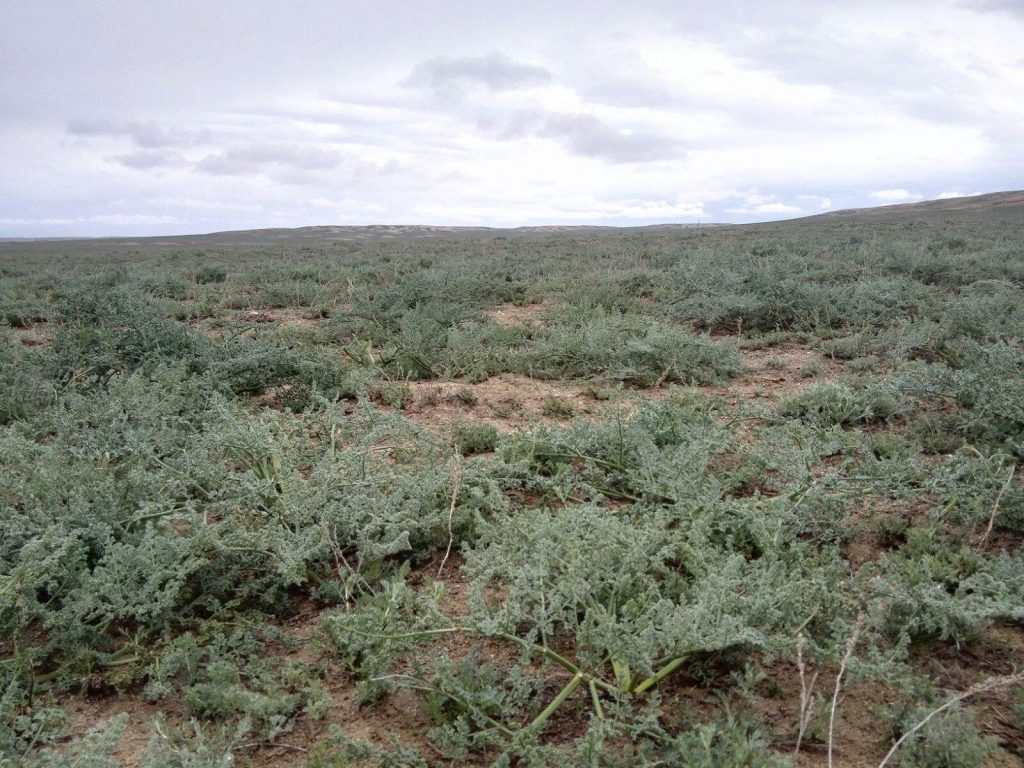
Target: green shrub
(617, 591)
(836, 403)
(950, 740)
(395, 394)
(108, 332)
(933, 590)
(474, 437)
(811, 369)
(27, 315)
(24, 387)
(194, 745)
(557, 408)
(623, 348)
(210, 273)
(94, 750)
(466, 396)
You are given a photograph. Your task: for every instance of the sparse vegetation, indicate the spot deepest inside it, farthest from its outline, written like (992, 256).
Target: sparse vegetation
(271, 496)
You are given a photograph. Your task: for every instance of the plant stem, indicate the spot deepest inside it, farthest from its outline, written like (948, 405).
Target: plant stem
(598, 710)
(850, 645)
(988, 685)
(556, 702)
(660, 675)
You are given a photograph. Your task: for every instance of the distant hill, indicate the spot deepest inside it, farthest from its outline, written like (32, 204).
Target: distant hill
(1001, 206)
(996, 204)
(328, 233)
(992, 203)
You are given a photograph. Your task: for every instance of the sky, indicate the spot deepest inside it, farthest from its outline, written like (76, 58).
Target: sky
(157, 117)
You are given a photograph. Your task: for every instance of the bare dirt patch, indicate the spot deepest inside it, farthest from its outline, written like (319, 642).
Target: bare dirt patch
(507, 401)
(514, 314)
(304, 318)
(773, 373)
(288, 317)
(35, 335)
(88, 712)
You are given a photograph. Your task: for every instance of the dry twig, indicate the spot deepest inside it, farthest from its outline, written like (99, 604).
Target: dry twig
(456, 484)
(989, 685)
(850, 645)
(806, 692)
(995, 508)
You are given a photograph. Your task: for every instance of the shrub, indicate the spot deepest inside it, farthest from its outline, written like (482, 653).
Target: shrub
(811, 369)
(623, 348)
(557, 408)
(210, 273)
(835, 403)
(24, 387)
(474, 437)
(933, 590)
(466, 396)
(949, 741)
(27, 315)
(395, 394)
(615, 589)
(112, 331)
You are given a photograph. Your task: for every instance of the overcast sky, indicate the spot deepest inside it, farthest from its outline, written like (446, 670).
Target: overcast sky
(123, 118)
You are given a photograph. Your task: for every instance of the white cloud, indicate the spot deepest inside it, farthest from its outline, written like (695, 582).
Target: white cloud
(450, 77)
(577, 210)
(765, 208)
(504, 113)
(757, 203)
(823, 203)
(895, 195)
(588, 136)
(112, 219)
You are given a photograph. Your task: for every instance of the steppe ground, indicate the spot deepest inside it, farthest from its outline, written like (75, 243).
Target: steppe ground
(728, 496)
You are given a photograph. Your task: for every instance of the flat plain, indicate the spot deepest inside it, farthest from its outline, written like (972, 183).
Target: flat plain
(424, 496)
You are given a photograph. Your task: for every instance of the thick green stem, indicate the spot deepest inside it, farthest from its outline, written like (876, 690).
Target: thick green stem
(566, 692)
(660, 675)
(544, 651)
(494, 723)
(598, 710)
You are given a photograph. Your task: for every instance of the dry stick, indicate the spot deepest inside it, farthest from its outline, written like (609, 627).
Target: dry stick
(456, 484)
(274, 744)
(995, 508)
(850, 645)
(339, 555)
(989, 685)
(806, 692)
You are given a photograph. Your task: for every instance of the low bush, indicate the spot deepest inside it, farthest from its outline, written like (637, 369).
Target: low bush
(836, 403)
(951, 740)
(210, 273)
(474, 437)
(623, 348)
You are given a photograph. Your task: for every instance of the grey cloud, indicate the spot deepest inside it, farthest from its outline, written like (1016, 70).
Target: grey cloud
(151, 136)
(1013, 7)
(147, 135)
(586, 135)
(447, 76)
(146, 160)
(287, 163)
(904, 73)
(256, 158)
(92, 128)
(284, 104)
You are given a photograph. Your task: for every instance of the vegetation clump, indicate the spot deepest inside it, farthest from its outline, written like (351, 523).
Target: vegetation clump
(699, 509)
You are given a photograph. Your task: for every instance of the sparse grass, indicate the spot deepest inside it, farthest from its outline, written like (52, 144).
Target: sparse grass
(557, 408)
(250, 526)
(474, 437)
